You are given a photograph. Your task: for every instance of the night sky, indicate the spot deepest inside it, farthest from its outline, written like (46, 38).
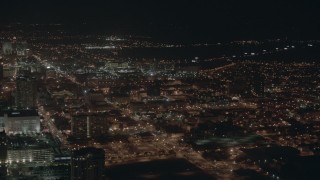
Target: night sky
(215, 19)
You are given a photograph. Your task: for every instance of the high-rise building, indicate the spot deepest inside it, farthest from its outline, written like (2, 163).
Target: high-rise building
(239, 86)
(26, 93)
(22, 121)
(9, 72)
(87, 163)
(35, 154)
(15, 48)
(1, 71)
(7, 48)
(154, 89)
(257, 85)
(3, 154)
(89, 125)
(21, 48)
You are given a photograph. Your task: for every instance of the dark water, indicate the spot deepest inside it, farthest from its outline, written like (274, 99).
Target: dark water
(176, 53)
(301, 53)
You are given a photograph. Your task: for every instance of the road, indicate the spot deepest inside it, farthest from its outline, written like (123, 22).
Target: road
(47, 122)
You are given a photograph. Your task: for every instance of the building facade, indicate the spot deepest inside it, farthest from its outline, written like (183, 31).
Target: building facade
(26, 92)
(89, 125)
(87, 163)
(3, 155)
(22, 121)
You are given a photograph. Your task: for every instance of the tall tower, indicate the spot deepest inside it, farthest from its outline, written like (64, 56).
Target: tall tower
(7, 48)
(26, 93)
(154, 89)
(258, 83)
(87, 163)
(1, 71)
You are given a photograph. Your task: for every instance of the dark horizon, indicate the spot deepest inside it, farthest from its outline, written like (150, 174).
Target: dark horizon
(204, 20)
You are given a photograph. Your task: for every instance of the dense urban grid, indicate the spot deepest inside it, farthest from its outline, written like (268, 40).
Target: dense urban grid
(101, 106)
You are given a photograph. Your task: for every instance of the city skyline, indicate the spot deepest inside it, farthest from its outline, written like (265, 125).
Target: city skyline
(159, 90)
